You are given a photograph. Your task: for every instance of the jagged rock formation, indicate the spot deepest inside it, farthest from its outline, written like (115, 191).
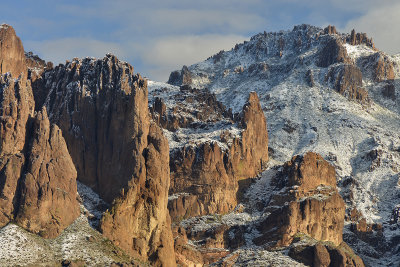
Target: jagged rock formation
(101, 106)
(48, 201)
(314, 207)
(205, 177)
(208, 109)
(359, 38)
(347, 80)
(332, 52)
(12, 54)
(384, 69)
(311, 207)
(310, 78)
(38, 178)
(325, 254)
(182, 77)
(138, 220)
(330, 29)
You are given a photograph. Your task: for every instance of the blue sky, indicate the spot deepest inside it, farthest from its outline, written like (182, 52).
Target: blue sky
(158, 36)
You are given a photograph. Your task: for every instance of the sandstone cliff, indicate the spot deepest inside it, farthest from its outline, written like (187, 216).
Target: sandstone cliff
(102, 108)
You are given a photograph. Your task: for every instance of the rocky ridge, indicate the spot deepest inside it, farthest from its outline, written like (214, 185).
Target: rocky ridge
(293, 73)
(101, 106)
(295, 89)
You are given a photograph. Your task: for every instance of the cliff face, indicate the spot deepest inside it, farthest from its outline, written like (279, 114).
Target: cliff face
(102, 108)
(205, 177)
(12, 54)
(310, 205)
(38, 178)
(48, 202)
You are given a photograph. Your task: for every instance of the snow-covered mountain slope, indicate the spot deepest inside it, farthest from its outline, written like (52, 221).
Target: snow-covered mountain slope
(361, 140)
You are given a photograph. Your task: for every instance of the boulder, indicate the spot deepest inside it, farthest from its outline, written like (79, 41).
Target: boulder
(389, 91)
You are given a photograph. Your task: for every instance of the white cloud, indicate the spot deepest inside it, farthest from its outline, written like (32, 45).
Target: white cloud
(382, 24)
(60, 50)
(171, 53)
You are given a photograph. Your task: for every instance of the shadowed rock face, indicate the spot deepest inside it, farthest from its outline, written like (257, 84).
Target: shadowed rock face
(102, 108)
(359, 38)
(12, 54)
(206, 176)
(324, 254)
(347, 80)
(310, 205)
(384, 69)
(37, 176)
(48, 201)
(333, 52)
(16, 107)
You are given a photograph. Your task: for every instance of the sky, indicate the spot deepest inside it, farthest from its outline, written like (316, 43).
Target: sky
(159, 36)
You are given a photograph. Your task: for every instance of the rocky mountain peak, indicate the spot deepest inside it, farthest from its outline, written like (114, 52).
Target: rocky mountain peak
(12, 54)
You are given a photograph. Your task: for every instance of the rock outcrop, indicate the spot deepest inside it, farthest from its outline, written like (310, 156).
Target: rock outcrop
(389, 90)
(347, 81)
(384, 69)
(324, 254)
(12, 54)
(48, 201)
(183, 77)
(359, 38)
(208, 109)
(330, 30)
(102, 108)
(332, 52)
(204, 178)
(36, 68)
(37, 177)
(310, 204)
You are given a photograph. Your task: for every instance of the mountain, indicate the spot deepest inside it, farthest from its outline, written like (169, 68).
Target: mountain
(331, 93)
(282, 151)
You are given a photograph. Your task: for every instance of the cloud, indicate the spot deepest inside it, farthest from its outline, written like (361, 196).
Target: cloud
(382, 24)
(171, 53)
(67, 48)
